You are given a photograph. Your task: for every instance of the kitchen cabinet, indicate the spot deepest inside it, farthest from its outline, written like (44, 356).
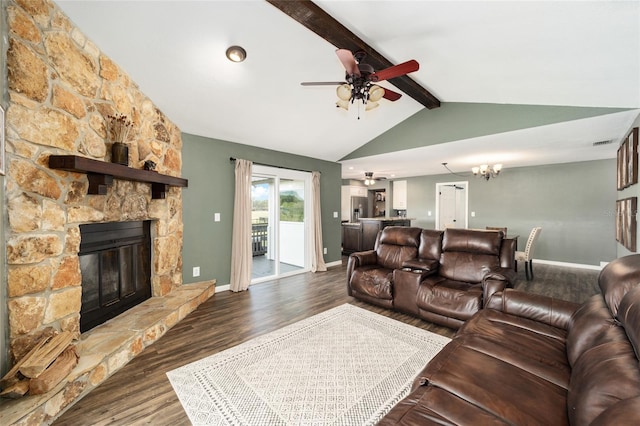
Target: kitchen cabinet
(351, 237)
(400, 194)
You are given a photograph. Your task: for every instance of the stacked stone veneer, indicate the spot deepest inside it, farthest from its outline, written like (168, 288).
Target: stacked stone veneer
(61, 88)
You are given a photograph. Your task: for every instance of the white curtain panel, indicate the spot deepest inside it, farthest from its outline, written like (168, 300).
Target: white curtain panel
(317, 258)
(241, 255)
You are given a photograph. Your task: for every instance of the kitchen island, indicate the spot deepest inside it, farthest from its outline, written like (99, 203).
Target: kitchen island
(361, 235)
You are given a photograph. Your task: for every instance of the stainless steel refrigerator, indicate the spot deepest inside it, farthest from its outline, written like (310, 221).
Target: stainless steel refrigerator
(359, 208)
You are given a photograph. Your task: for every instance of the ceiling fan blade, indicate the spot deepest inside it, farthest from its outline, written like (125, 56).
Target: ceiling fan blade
(322, 83)
(396, 71)
(390, 95)
(349, 62)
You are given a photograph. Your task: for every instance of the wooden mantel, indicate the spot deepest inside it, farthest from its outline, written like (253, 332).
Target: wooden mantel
(101, 174)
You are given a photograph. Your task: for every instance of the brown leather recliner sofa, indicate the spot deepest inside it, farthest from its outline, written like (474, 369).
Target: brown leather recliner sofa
(441, 276)
(527, 359)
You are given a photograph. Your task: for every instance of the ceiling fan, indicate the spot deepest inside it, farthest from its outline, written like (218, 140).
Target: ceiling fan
(360, 79)
(370, 180)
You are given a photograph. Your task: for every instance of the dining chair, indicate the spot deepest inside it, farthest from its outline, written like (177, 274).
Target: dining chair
(497, 228)
(527, 255)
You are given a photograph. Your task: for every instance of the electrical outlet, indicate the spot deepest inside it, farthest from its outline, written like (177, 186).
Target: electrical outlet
(196, 271)
(335, 215)
(216, 217)
(325, 250)
(473, 214)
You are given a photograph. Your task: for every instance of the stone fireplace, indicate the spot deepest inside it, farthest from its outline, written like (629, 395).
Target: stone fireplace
(61, 89)
(115, 265)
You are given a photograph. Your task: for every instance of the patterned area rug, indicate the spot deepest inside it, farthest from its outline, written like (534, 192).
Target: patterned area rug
(345, 366)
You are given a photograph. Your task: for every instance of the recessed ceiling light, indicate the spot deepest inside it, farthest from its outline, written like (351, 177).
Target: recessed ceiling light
(236, 54)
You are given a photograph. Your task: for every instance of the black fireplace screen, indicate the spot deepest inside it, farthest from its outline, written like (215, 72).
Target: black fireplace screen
(115, 262)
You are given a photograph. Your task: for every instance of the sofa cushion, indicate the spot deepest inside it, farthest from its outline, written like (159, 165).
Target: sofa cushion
(430, 244)
(629, 317)
(430, 405)
(449, 298)
(373, 281)
(400, 236)
(591, 325)
(626, 412)
(617, 278)
(467, 267)
(397, 244)
(472, 241)
(527, 344)
(488, 382)
(602, 376)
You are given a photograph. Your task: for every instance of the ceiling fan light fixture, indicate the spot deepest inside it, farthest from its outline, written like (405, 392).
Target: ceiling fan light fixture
(368, 178)
(343, 104)
(371, 105)
(344, 92)
(376, 93)
(236, 54)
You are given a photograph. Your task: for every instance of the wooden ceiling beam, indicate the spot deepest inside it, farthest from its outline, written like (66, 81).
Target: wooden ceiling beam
(320, 22)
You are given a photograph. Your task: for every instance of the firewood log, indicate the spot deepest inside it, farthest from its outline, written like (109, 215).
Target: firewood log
(55, 373)
(44, 356)
(16, 390)
(12, 377)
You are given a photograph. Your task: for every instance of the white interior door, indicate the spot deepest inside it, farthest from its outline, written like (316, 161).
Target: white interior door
(451, 205)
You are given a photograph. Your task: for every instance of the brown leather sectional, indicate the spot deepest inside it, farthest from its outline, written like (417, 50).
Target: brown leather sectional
(527, 359)
(441, 276)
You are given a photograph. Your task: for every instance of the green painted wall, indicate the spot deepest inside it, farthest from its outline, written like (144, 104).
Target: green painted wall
(573, 203)
(440, 125)
(205, 163)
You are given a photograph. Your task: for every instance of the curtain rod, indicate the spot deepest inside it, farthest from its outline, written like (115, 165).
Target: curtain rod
(277, 167)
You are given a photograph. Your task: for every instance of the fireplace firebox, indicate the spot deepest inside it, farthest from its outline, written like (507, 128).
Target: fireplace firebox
(115, 263)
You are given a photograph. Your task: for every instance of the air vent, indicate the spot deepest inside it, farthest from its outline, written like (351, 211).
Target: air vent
(602, 143)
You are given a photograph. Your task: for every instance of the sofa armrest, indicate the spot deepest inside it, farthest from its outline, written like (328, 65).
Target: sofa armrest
(497, 280)
(361, 258)
(424, 264)
(548, 310)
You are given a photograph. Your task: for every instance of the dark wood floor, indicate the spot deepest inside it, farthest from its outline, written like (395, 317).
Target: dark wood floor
(140, 393)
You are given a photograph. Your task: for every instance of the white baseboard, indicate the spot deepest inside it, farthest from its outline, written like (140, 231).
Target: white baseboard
(220, 288)
(571, 265)
(332, 264)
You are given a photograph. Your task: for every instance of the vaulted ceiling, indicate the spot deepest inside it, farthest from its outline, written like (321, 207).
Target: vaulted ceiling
(520, 82)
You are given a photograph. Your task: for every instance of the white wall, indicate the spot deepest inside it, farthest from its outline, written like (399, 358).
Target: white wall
(292, 243)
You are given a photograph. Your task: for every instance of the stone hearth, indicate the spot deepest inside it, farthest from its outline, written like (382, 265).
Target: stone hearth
(105, 349)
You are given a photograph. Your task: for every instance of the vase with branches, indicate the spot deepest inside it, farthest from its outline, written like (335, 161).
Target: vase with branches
(118, 129)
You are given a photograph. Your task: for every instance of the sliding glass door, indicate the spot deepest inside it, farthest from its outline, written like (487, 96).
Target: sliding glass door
(280, 202)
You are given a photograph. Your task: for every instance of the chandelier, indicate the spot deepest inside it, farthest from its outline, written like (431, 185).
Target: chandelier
(486, 171)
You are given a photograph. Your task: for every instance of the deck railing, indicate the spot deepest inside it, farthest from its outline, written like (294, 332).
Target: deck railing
(259, 233)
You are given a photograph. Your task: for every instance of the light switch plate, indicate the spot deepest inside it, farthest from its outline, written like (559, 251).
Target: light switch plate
(216, 217)
(196, 271)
